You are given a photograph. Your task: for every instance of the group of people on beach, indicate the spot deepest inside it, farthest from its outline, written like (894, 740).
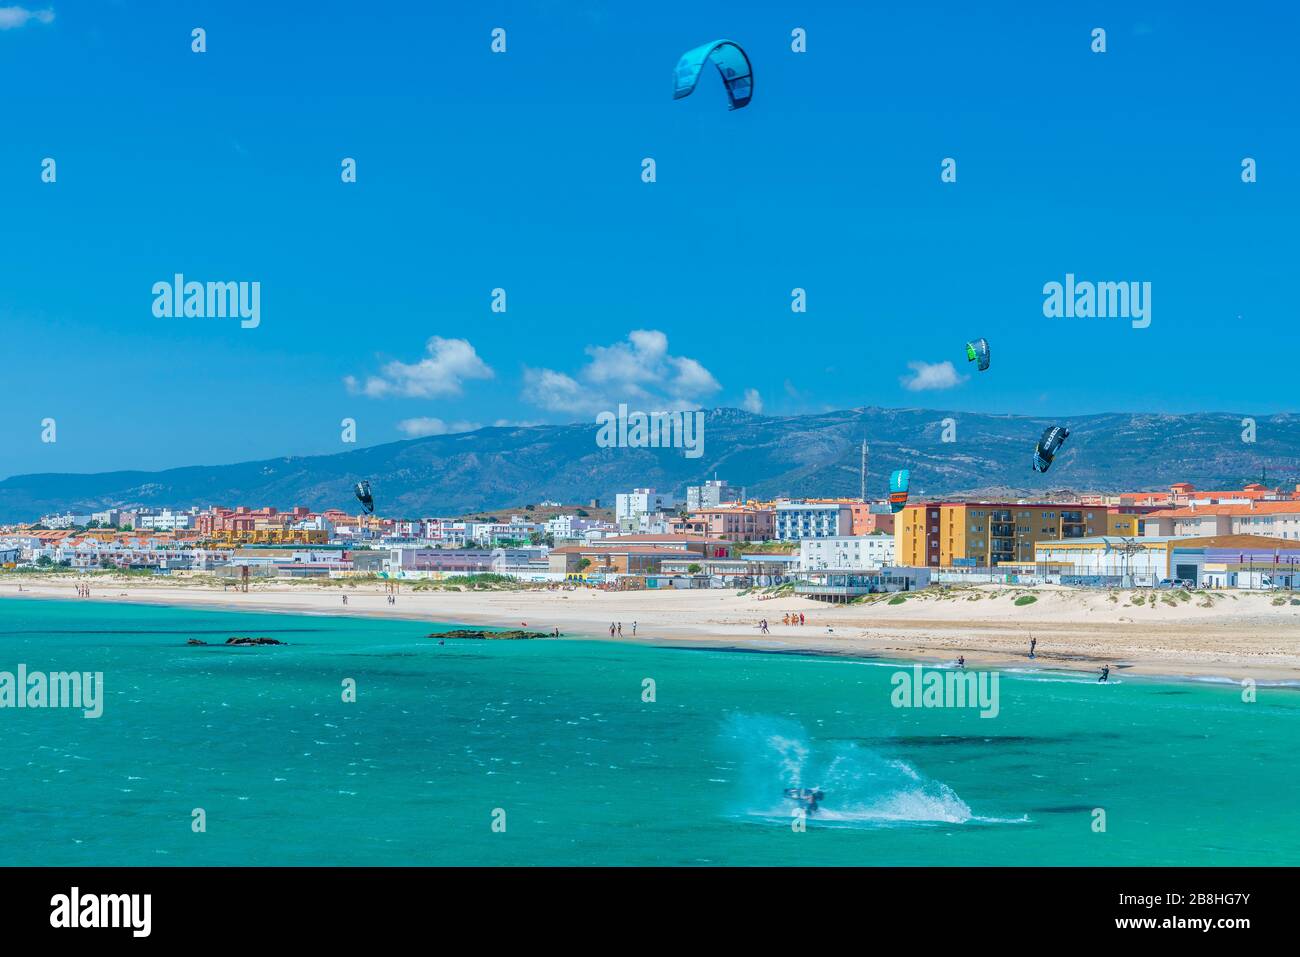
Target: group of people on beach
(616, 627)
(789, 618)
(83, 591)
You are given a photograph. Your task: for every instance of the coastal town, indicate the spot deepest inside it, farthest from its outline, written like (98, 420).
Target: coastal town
(828, 549)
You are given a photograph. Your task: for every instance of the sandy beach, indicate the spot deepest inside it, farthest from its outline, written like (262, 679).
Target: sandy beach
(1225, 634)
(1218, 635)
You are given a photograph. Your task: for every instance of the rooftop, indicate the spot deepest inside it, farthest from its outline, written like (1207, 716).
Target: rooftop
(1253, 508)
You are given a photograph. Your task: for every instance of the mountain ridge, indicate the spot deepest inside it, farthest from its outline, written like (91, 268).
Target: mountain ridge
(800, 455)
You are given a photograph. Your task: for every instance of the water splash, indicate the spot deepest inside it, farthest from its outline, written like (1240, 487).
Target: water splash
(862, 788)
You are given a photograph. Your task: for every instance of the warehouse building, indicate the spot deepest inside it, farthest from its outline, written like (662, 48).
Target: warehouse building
(1218, 561)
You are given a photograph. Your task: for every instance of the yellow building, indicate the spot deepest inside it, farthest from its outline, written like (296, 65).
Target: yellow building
(271, 536)
(943, 534)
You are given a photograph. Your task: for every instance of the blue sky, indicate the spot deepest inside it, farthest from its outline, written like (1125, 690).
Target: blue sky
(522, 171)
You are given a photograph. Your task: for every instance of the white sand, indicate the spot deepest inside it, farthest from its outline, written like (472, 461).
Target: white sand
(1242, 635)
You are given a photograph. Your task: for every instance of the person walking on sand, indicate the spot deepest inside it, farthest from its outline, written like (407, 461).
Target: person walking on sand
(611, 629)
(345, 599)
(801, 618)
(620, 629)
(1105, 673)
(763, 625)
(1033, 643)
(633, 629)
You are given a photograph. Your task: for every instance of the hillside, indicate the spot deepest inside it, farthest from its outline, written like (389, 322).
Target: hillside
(815, 454)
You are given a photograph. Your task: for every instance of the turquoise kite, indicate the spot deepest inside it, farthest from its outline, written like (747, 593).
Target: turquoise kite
(732, 63)
(898, 485)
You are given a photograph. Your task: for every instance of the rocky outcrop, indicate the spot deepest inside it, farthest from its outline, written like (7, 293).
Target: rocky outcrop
(498, 635)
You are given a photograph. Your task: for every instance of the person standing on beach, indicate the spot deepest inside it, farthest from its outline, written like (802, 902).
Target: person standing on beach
(1033, 643)
(345, 599)
(1105, 674)
(620, 629)
(961, 661)
(611, 629)
(801, 618)
(633, 629)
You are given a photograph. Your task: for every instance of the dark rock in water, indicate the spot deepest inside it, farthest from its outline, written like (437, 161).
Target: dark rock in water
(506, 635)
(253, 641)
(1066, 809)
(195, 641)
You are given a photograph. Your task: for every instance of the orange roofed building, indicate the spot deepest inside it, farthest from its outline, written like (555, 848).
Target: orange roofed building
(1182, 494)
(1270, 518)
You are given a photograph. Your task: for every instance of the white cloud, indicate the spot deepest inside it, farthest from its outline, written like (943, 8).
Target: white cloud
(753, 401)
(639, 371)
(555, 391)
(427, 425)
(449, 364)
(931, 375)
(13, 17)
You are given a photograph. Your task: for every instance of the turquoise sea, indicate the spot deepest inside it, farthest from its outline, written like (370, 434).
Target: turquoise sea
(555, 734)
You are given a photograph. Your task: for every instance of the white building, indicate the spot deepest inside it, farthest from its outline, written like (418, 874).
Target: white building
(573, 528)
(91, 554)
(489, 533)
(1143, 559)
(166, 520)
(799, 520)
(64, 521)
(630, 506)
(712, 494)
(846, 552)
